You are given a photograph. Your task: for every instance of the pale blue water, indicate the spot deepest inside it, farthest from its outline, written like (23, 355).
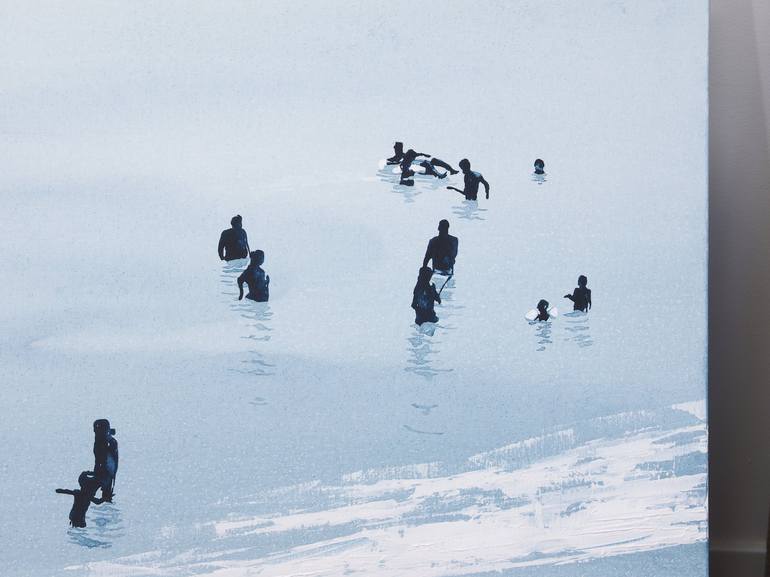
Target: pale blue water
(123, 168)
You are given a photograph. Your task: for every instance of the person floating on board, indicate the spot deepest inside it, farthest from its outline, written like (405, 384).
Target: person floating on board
(233, 242)
(539, 166)
(442, 250)
(542, 311)
(581, 296)
(83, 497)
(472, 181)
(411, 156)
(424, 295)
(105, 457)
(256, 279)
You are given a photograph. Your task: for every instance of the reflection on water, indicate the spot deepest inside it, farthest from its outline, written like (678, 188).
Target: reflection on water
(258, 331)
(469, 210)
(391, 174)
(542, 334)
(105, 526)
(579, 330)
(539, 178)
(257, 315)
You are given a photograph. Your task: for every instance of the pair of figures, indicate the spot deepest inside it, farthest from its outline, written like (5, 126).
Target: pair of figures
(580, 297)
(442, 250)
(233, 245)
(471, 178)
(102, 477)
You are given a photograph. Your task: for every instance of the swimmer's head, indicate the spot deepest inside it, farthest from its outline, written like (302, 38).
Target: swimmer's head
(443, 225)
(465, 165)
(582, 280)
(398, 147)
(257, 257)
(425, 273)
(539, 165)
(236, 221)
(542, 305)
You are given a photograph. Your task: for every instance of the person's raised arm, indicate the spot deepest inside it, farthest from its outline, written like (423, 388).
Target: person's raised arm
(456, 189)
(65, 491)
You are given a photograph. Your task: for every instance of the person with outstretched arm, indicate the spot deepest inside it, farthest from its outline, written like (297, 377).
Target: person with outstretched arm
(581, 296)
(472, 181)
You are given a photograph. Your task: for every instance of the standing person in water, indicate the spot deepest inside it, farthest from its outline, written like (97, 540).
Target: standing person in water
(472, 181)
(424, 297)
(256, 279)
(539, 166)
(581, 296)
(233, 242)
(442, 250)
(105, 457)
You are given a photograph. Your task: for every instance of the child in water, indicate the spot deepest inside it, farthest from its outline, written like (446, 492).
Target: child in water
(256, 279)
(542, 311)
(539, 166)
(581, 296)
(425, 295)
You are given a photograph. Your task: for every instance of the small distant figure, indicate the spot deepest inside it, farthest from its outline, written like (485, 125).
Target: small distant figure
(542, 311)
(539, 166)
(424, 297)
(105, 458)
(398, 154)
(83, 497)
(442, 250)
(233, 243)
(581, 296)
(256, 279)
(472, 181)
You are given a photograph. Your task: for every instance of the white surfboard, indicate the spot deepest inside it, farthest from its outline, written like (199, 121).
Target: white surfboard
(532, 315)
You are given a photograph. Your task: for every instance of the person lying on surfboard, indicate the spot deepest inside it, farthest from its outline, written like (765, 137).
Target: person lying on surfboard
(429, 166)
(442, 250)
(542, 311)
(424, 297)
(472, 181)
(581, 296)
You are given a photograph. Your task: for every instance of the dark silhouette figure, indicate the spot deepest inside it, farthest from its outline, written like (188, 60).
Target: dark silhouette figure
(411, 156)
(472, 181)
(539, 166)
(256, 279)
(542, 310)
(105, 457)
(398, 154)
(83, 497)
(442, 250)
(581, 296)
(233, 243)
(424, 297)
